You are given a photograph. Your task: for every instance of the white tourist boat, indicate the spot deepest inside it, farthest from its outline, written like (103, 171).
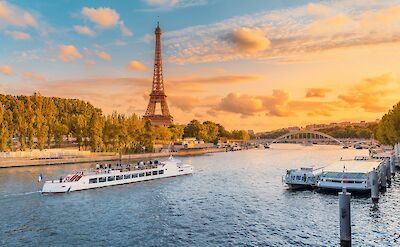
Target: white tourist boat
(352, 174)
(104, 175)
(300, 178)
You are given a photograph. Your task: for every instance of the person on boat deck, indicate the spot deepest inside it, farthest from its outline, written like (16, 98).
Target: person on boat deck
(305, 177)
(60, 179)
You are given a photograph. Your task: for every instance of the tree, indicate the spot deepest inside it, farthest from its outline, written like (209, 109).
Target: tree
(96, 132)
(177, 132)
(3, 130)
(162, 133)
(194, 129)
(240, 135)
(210, 131)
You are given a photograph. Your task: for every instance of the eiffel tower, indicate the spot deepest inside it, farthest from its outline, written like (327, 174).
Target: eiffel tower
(157, 94)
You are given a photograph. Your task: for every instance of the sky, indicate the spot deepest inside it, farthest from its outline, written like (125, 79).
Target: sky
(252, 64)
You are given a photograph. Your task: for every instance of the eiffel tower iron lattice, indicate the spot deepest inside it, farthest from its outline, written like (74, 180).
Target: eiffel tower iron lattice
(157, 94)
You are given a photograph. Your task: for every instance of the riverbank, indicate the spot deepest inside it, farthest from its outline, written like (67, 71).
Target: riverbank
(22, 162)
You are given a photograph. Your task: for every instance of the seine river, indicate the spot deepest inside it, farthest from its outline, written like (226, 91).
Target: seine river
(232, 199)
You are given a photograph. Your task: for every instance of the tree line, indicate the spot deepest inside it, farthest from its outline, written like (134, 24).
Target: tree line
(388, 130)
(28, 122)
(356, 132)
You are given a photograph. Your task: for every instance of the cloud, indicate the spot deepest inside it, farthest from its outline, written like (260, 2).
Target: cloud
(317, 92)
(33, 77)
(241, 103)
(12, 15)
(368, 93)
(163, 3)
(18, 35)
(135, 65)
(318, 9)
(171, 4)
(6, 69)
(84, 30)
(184, 103)
(104, 56)
(332, 25)
(90, 63)
(103, 17)
(68, 53)
(292, 32)
(278, 104)
(249, 40)
(147, 38)
(124, 30)
(188, 103)
(388, 17)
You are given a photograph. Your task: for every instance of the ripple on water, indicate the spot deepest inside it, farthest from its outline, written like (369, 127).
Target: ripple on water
(233, 199)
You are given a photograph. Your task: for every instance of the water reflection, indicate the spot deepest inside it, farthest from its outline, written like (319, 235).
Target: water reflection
(232, 199)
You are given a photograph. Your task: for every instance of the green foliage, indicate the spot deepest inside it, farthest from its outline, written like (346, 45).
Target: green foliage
(351, 131)
(212, 132)
(388, 130)
(36, 121)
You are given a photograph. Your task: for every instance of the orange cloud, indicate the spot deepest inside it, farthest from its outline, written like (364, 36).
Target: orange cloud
(68, 53)
(7, 70)
(318, 9)
(317, 92)
(332, 25)
(33, 77)
(243, 104)
(386, 16)
(104, 55)
(135, 65)
(250, 40)
(18, 35)
(276, 105)
(90, 63)
(103, 17)
(14, 16)
(84, 30)
(368, 94)
(188, 103)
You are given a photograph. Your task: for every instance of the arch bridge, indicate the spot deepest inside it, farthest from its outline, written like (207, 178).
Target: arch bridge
(306, 137)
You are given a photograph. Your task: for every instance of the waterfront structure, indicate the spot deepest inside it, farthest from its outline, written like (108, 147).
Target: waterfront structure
(104, 176)
(157, 95)
(354, 175)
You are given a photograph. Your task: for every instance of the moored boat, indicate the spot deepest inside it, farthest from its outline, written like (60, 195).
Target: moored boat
(301, 178)
(105, 175)
(354, 175)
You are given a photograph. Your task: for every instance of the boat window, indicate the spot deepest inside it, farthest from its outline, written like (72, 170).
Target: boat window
(135, 175)
(127, 176)
(112, 178)
(148, 173)
(141, 174)
(119, 177)
(92, 180)
(155, 172)
(103, 179)
(161, 172)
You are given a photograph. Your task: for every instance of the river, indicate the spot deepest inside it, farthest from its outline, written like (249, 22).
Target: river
(232, 199)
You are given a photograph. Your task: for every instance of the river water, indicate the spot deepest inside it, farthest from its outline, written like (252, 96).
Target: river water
(232, 199)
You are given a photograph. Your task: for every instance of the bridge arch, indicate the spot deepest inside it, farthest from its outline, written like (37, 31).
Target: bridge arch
(317, 134)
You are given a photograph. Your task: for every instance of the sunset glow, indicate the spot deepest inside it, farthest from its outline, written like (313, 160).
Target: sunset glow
(251, 64)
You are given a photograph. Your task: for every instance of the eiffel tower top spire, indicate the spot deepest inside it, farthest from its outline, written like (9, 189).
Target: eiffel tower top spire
(158, 80)
(157, 94)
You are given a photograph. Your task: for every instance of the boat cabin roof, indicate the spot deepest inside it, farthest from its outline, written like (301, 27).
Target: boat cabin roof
(353, 166)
